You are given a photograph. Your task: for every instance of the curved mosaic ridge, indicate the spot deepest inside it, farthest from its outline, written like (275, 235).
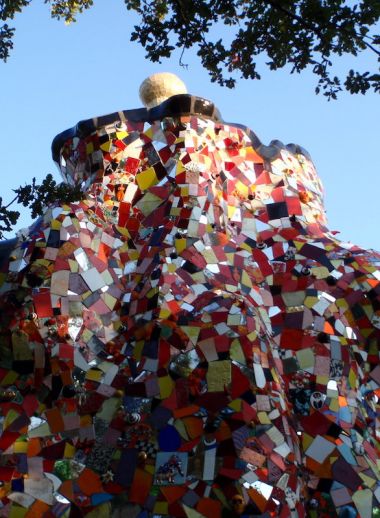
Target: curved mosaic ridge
(189, 340)
(175, 106)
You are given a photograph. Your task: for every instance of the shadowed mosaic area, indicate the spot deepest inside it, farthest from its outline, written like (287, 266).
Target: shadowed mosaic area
(189, 340)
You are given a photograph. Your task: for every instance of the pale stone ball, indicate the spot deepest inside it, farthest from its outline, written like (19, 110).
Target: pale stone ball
(156, 88)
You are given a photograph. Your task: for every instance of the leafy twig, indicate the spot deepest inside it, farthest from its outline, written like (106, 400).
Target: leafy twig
(36, 197)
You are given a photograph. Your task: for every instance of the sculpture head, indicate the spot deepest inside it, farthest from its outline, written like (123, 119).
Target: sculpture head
(271, 183)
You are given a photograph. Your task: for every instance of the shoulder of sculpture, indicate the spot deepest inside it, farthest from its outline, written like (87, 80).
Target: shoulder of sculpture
(273, 149)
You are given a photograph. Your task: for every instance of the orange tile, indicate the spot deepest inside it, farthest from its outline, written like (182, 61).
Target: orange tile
(141, 486)
(55, 420)
(37, 509)
(194, 426)
(185, 411)
(66, 489)
(34, 447)
(89, 482)
(258, 498)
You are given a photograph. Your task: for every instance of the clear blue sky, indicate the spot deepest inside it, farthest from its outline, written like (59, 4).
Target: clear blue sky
(58, 75)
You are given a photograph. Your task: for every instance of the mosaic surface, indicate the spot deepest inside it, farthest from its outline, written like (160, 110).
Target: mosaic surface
(189, 340)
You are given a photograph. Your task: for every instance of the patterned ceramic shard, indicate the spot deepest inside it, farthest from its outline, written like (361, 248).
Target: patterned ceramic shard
(188, 340)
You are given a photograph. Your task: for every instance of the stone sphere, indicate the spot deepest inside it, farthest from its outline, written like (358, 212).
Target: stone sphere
(156, 88)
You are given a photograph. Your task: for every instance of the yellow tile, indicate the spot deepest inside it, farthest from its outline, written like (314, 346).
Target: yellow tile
(161, 508)
(106, 146)
(11, 416)
(181, 429)
(149, 133)
(320, 272)
(172, 268)
(122, 134)
(334, 405)
(109, 300)
(245, 279)
(164, 313)
(9, 378)
(180, 245)
(55, 224)
(218, 375)
(306, 441)
(146, 178)
(191, 332)
(17, 511)
(352, 379)
(138, 349)
(94, 375)
(89, 148)
(236, 352)
(74, 266)
(151, 293)
(322, 380)
(166, 386)
(263, 418)
(20, 447)
(311, 301)
(150, 469)
(123, 231)
(235, 405)
(180, 168)
(69, 451)
(369, 481)
(241, 188)
(274, 375)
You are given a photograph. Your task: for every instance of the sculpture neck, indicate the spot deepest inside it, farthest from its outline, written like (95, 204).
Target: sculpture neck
(213, 207)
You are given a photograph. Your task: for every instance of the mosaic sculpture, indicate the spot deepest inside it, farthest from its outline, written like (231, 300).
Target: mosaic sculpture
(189, 340)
